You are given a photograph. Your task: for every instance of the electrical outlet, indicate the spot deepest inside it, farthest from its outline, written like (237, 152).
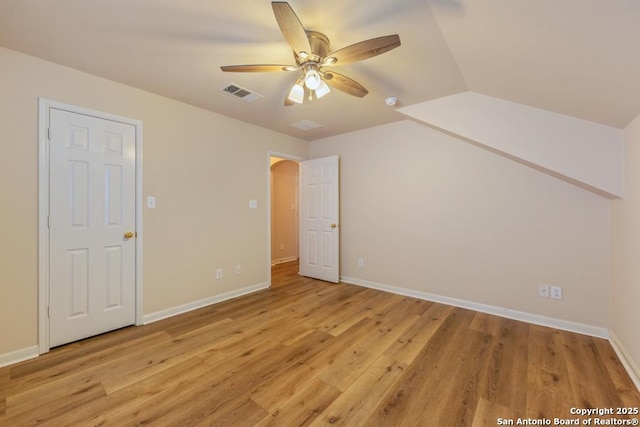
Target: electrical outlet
(556, 292)
(238, 269)
(360, 262)
(543, 290)
(218, 273)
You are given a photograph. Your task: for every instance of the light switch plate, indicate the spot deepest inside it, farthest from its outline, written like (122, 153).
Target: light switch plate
(151, 202)
(253, 204)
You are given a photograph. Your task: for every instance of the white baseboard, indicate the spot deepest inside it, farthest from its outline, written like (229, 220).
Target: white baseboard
(170, 312)
(625, 359)
(21, 355)
(283, 260)
(628, 363)
(564, 325)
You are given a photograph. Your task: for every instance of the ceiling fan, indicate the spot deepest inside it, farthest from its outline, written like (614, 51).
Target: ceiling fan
(312, 55)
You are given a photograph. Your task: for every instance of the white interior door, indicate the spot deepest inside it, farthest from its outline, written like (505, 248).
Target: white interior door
(320, 208)
(91, 211)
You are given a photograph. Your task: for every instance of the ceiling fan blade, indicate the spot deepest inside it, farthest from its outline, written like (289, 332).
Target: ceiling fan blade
(257, 68)
(365, 49)
(345, 84)
(291, 27)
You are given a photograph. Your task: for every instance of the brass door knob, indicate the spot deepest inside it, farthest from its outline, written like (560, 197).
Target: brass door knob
(128, 234)
(334, 225)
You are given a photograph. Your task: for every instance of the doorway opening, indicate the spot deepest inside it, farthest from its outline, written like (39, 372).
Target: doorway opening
(284, 179)
(308, 214)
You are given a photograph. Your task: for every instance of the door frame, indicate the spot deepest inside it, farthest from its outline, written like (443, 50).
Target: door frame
(44, 105)
(299, 160)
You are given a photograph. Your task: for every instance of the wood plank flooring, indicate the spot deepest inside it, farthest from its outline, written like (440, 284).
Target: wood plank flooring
(306, 352)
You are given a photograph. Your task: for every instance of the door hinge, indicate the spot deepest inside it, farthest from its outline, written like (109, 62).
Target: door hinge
(49, 222)
(49, 133)
(49, 311)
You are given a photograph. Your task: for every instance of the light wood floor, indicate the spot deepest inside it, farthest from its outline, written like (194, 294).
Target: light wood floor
(308, 352)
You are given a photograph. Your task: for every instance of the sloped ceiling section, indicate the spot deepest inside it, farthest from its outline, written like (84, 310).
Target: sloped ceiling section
(573, 60)
(575, 57)
(578, 151)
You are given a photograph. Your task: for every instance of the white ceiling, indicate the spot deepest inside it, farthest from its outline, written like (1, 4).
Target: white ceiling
(576, 57)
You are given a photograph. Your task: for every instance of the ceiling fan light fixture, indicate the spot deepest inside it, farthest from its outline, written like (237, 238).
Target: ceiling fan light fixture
(296, 94)
(322, 90)
(312, 79)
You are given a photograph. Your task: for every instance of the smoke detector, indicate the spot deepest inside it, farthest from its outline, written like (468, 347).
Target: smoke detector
(391, 101)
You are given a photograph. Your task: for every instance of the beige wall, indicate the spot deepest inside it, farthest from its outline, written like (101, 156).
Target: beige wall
(626, 252)
(430, 213)
(202, 167)
(426, 211)
(284, 210)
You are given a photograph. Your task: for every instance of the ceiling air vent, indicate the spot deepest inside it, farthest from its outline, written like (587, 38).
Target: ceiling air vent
(240, 92)
(305, 125)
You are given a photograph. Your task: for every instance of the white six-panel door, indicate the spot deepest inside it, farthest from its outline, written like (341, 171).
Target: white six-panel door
(91, 210)
(320, 233)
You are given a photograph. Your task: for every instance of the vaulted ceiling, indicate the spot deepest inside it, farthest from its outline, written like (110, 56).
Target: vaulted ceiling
(576, 57)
